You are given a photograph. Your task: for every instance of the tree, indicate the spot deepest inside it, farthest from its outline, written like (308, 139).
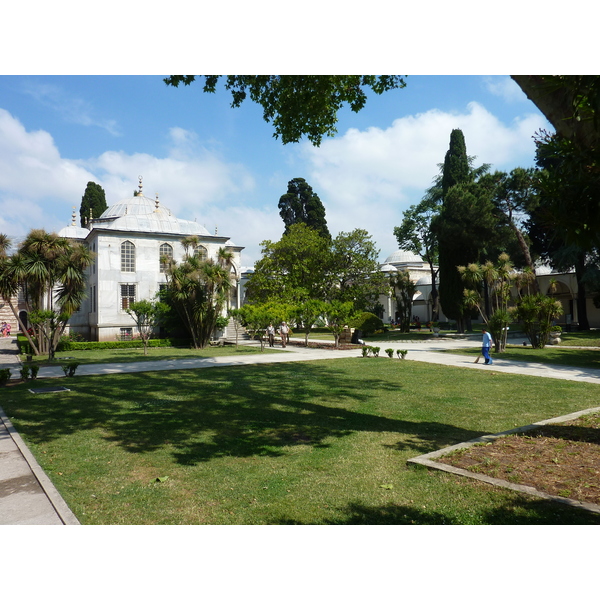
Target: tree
(49, 271)
(354, 270)
(307, 314)
(198, 290)
(338, 315)
(93, 203)
(301, 205)
(570, 102)
(146, 315)
(463, 226)
(417, 235)
(299, 105)
(565, 224)
(496, 280)
(404, 290)
(293, 269)
(256, 317)
(536, 313)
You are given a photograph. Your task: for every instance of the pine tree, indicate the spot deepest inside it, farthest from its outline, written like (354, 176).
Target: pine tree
(301, 205)
(94, 199)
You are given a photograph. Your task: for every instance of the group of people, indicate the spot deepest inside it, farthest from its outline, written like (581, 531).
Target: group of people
(283, 331)
(5, 329)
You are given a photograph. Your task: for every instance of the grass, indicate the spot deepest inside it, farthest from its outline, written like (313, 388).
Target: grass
(128, 355)
(297, 443)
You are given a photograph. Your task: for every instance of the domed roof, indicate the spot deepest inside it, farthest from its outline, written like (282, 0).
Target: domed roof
(425, 280)
(74, 232)
(402, 257)
(143, 214)
(388, 268)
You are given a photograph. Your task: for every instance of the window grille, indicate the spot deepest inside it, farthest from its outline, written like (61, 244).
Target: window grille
(201, 252)
(165, 256)
(127, 295)
(127, 257)
(126, 334)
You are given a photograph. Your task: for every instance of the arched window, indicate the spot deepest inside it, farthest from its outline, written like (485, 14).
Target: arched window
(201, 252)
(165, 256)
(127, 257)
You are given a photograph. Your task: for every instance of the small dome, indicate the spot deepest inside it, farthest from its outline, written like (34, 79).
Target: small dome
(403, 257)
(425, 280)
(74, 232)
(388, 269)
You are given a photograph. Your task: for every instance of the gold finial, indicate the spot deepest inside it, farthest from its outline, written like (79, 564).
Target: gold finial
(140, 186)
(73, 217)
(156, 203)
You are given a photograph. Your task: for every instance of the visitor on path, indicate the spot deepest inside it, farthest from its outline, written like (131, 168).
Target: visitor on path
(271, 335)
(486, 347)
(284, 332)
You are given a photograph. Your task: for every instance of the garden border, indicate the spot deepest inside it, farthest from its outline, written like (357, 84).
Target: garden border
(428, 461)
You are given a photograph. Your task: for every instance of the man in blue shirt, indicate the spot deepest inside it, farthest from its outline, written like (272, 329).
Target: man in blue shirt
(487, 344)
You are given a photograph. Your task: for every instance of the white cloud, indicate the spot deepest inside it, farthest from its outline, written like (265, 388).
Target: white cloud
(505, 88)
(367, 178)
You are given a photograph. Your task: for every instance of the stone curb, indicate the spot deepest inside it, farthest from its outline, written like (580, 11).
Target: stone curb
(428, 461)
(60, 506)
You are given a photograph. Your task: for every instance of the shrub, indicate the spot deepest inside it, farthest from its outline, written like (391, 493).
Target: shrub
(368, 323)
(5, 375)
(70, 368)
(24, 372)
(34, 371)
(401, 353)
(365, 351)
(375, 350)
(390, 352)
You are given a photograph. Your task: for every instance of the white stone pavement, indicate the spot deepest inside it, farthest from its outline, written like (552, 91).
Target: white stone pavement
(28, 497)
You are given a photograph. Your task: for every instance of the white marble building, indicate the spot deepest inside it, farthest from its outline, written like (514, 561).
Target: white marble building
(129, 239)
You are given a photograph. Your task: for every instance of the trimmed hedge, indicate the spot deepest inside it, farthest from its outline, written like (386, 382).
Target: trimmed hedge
(368, 323)
(67, 346)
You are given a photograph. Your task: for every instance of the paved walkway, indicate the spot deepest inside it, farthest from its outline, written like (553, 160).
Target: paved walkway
(27, 496)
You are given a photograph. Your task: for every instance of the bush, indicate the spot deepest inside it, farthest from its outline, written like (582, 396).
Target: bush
(368, 323)
(5, 375)
(390, 352)
(69, 369)
(162, 343)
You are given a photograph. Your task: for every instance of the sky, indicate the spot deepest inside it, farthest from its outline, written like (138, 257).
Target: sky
(224, 168)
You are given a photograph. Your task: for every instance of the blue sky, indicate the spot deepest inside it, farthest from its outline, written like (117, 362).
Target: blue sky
(223, 167)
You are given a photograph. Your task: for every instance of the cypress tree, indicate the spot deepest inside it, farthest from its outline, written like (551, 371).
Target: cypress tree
(462, 226)
(301, 205)
(94, 199)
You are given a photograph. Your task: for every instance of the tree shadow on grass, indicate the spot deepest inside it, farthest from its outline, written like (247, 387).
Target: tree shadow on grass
(202, 414)
(519, 511)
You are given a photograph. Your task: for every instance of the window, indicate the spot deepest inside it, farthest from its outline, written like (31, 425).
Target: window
(127, 295)
(201, 252)
(165, 256)
(126, 334)
(127, 257)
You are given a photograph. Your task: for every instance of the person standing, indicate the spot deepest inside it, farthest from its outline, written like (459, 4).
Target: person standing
(271, 335)
(284, 331)
(486, 346)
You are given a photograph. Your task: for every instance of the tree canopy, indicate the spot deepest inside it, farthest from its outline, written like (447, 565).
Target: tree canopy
(301, 205)
(298, 105)
(93, 203)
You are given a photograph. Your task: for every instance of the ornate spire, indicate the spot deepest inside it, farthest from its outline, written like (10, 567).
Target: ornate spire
(156, 203)
(73, 218)
(140, 186)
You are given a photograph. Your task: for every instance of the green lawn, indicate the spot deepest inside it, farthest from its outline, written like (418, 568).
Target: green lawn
(308, 443)
(128, 355)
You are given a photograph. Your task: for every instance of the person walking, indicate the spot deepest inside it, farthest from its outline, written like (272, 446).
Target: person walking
(284, 332)
(271, 335)
(486, 347)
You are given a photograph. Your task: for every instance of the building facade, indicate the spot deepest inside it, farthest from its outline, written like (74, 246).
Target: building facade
(128, 240)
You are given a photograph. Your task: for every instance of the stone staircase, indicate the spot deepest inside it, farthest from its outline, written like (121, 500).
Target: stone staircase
(229, 333)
